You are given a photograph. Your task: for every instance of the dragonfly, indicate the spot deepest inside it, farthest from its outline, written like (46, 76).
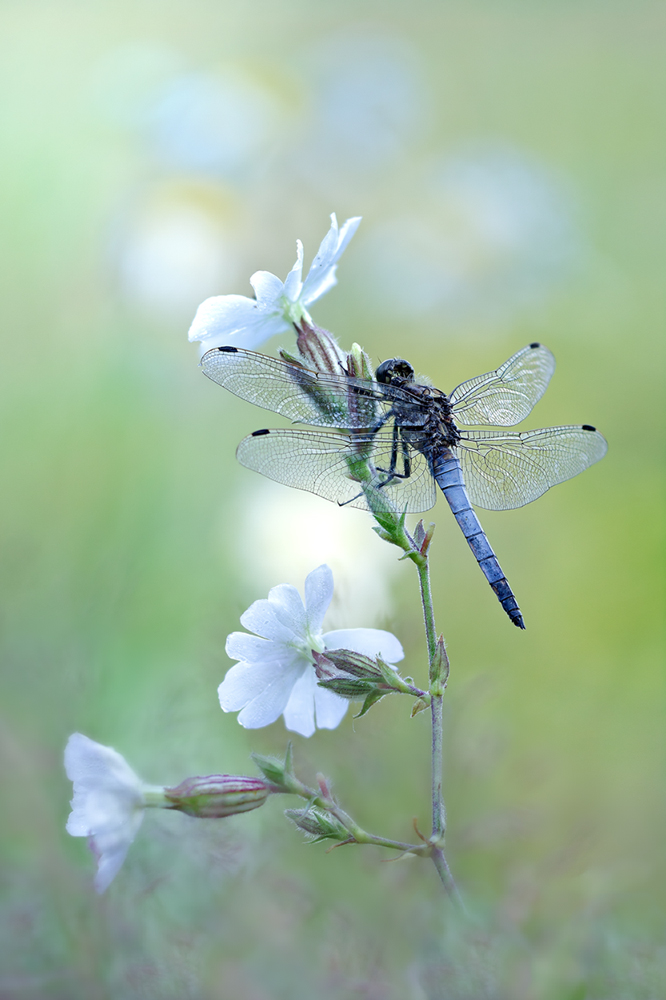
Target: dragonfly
(397, 438)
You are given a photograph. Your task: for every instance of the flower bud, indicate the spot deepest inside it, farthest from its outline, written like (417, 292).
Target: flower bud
(318, 824)
(358, 363)
(217, 795)
(423, 536)
(349, 675)
(320, 349)
(336, 663)
(439, 668)
(277, 772)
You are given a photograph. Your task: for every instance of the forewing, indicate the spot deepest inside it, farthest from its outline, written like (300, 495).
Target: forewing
(297, 392)
(505, 397)
(503, 470)
(334, 466)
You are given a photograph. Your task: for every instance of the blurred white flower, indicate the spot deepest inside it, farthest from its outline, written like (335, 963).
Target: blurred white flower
(175, 239)
(215, 123)
(244, 322)
(369, 106)
(276, 675)
(223, 122)
(108, 804)
(364, 567)
(494, 232)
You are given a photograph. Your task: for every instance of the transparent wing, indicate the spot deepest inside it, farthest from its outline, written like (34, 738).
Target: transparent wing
(503, 470)
(335, 466)
(505, 397)
(297, 392)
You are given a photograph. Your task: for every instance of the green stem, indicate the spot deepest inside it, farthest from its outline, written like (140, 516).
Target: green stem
(438, 810)
(438, 665)
(357, 833)
(428, 610)
(445, 875)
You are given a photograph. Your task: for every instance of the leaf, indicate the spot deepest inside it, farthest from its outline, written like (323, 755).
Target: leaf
(419, 706)
(371, 699)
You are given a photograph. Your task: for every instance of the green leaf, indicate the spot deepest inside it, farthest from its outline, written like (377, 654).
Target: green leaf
(371, 699)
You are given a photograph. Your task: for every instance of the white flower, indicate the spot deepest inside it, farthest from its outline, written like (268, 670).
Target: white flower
(243, 322)
(108, 804)
(276, 675)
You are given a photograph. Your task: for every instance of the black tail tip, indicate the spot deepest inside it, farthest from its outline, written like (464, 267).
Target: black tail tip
(519, 621)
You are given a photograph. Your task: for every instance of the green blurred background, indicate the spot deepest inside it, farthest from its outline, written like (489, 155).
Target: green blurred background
(507, 159)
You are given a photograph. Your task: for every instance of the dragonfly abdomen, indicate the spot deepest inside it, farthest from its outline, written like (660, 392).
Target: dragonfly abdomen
(448, 473)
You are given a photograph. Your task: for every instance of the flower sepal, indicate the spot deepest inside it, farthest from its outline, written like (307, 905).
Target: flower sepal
(217, 795)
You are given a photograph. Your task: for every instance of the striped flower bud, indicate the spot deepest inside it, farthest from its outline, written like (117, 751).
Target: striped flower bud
(320, 349)
(217, 795)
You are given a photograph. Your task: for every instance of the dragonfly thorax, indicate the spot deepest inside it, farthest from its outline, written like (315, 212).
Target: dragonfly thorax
(394, 372)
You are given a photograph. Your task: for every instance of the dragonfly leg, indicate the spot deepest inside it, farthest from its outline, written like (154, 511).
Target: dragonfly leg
(377, 426)
(399, 443)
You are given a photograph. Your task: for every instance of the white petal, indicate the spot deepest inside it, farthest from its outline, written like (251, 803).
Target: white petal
(97, 810)
(222, 315)
(246, 681)
(111, 849)
(268, 289)
(108, 803)
(271, 702)
(299, 711)
(263, 618)
(346, 233)
(293, 282)
(253, 649)
(288, 606)
(369, 641)
(318, 596)
(235, 320)
(321, 276)
(93, 766)
(109, 863)
(330, 708)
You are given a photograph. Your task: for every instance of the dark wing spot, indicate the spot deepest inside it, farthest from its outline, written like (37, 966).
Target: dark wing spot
(259, 433)
(228, 350)
(535, 344)
(588, 427)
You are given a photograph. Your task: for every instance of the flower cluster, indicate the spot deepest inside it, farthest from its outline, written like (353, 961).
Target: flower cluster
(280, 657)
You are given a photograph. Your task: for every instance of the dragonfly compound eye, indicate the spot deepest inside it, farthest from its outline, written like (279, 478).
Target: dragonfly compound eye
(394, 368)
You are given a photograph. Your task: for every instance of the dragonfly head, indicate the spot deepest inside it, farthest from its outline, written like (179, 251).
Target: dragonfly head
(394, 370)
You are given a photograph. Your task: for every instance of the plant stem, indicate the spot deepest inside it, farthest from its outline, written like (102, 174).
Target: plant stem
(357, 833)
(445, 875)
(428, 611)
(438, 810)
(438, 671)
